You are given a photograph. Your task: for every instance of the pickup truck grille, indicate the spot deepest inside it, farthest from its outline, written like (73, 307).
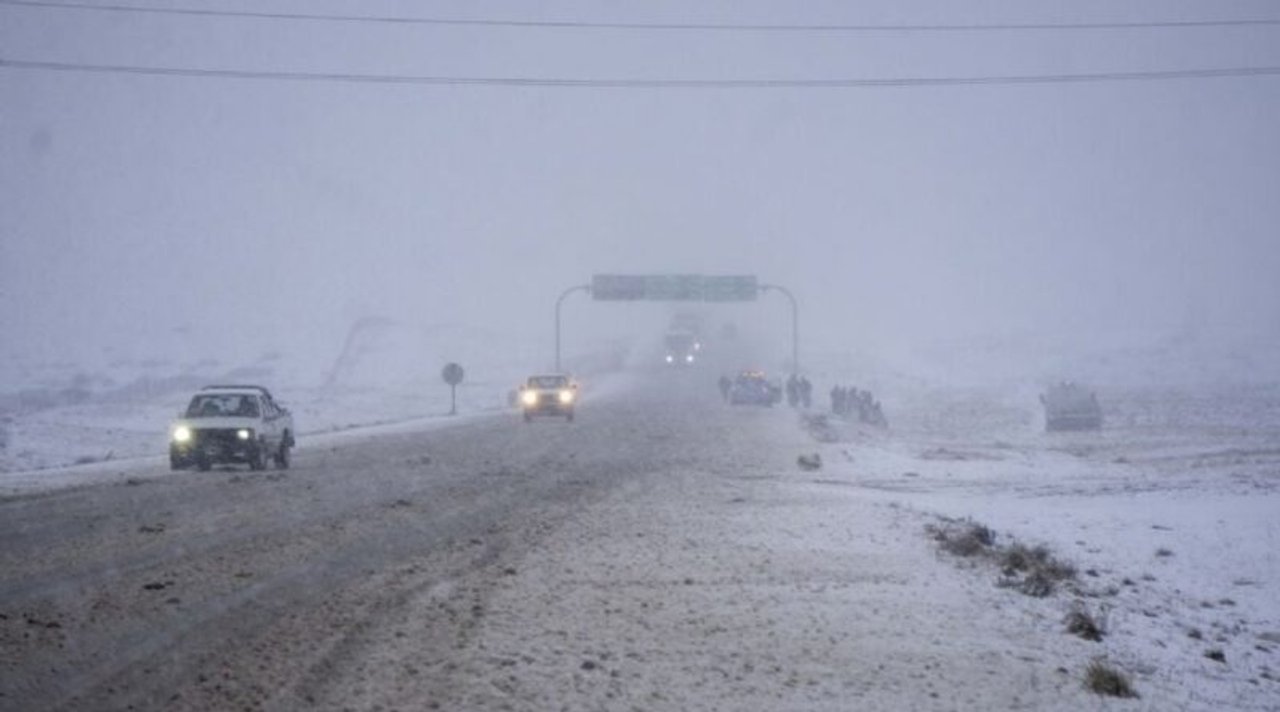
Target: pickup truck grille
(223, 437)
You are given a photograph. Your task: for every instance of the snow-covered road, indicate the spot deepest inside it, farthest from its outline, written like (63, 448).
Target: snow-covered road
(660, 553)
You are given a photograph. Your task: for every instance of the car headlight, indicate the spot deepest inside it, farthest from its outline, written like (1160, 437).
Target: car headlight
(529, 397)
(566, 397)
(689, 358)
(182, 434)
(244, 434)
(670, 358)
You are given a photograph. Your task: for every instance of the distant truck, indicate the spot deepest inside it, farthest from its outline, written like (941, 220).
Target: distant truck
(231, 425)
(682, 348)
(1070, 406)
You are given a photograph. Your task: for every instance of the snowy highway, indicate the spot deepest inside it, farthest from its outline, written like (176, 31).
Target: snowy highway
(235, 587)
(148, 591)
(664, 551)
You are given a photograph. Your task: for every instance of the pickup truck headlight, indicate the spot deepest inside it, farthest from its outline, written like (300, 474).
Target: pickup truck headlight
(244, 434)
(182, 434)
(566, 397)
(529, 398)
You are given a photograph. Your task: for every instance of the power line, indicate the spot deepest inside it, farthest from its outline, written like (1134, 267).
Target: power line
(571, 83)
(653, 26)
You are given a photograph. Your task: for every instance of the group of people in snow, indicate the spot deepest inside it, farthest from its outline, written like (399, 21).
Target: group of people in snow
(799, 391)
(853, 403)
(848, 402)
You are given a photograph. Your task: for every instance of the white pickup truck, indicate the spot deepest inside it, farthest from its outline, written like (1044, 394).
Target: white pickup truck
(550, 394)
(230, 425)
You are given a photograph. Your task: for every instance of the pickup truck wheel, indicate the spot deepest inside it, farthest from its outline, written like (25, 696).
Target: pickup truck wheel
(282, 455)
(258, 460)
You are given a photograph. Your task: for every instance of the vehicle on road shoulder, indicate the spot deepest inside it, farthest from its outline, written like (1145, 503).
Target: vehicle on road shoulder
(231, 425)
(1069, 406)
(752, 388)
(548, 394)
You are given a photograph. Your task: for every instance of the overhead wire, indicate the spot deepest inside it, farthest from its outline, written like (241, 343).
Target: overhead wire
(650, 26)
(604, 83)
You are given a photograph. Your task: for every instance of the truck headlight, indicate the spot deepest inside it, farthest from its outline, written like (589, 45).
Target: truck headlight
(566, 397)
(689, 358)
(529, 398)
(182, 434)
(244, 434)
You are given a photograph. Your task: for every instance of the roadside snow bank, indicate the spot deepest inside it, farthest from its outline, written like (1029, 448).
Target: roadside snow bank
(1168, 515)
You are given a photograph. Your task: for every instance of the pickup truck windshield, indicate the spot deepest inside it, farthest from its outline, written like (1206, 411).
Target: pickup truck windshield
(223, 406)
(548, 382)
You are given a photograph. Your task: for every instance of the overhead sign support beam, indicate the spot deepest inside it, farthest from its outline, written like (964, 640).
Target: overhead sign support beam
(681, 288)
(673, 288)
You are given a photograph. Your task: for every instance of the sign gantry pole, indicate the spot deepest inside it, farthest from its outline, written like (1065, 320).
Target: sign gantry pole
(559, 302)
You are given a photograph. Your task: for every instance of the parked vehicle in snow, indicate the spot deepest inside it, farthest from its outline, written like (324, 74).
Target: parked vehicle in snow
(231, 425)
(1070, 406)
(548, 394)
(752, 388)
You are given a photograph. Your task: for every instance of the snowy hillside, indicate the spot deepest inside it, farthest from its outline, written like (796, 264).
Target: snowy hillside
(62, 413)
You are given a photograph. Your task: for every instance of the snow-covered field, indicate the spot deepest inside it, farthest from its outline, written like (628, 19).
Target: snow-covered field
(1168, 514)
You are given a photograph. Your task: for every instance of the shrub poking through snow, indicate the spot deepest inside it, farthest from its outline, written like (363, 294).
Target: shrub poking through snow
(1031, 570)
(1081, 623)
(1034, 584)
(1106, 680)
(1018, 557)
(962, 537)
(809, 463)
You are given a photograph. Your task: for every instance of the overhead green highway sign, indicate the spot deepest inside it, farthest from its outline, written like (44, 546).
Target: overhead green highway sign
(674, 288)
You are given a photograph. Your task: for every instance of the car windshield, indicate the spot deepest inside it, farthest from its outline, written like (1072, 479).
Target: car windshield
(548, 381)
(223, 405)
(678, 342)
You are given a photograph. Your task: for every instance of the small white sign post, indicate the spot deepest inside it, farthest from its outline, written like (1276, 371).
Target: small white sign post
(453, 375)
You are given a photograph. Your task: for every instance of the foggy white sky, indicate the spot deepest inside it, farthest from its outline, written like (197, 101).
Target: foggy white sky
(131, 206)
